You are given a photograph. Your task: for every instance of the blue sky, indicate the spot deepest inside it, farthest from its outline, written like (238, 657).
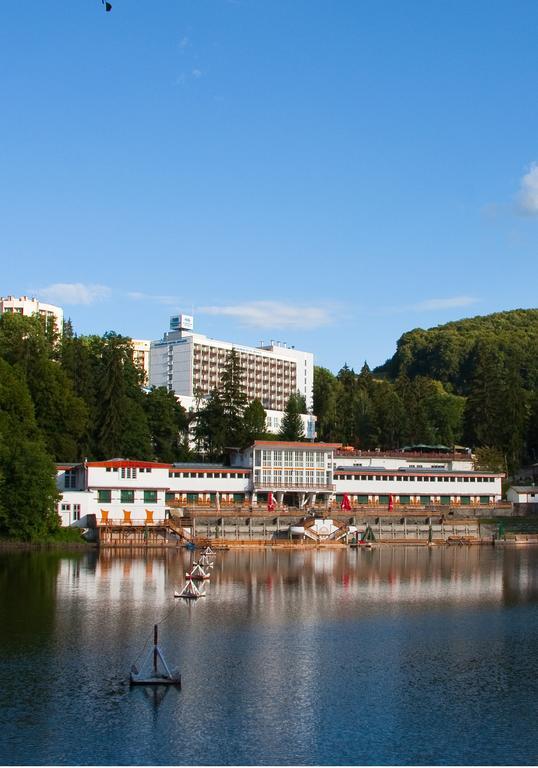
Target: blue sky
(327, 173)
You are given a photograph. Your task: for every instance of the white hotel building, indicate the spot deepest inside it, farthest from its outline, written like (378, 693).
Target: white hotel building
(188, 363)
(26, 306)
(300, 475)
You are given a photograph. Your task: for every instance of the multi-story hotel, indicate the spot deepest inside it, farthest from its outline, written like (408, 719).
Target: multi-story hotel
(302, 475)
(191, 365)
(141, 353)
(31, 306)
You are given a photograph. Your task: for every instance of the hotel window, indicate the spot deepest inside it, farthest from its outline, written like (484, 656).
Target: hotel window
(277, 475)
(277, 455)
(66, 507)
(309, 458)
(128, 473)
(126, 497)
(104, 496)
(266, 477)
(320, 477)
(76, 511)
(310, 477)
(150, 497)
(288, 458)
(70, 478)
(320, 459)
(288, 476)
(266, 457)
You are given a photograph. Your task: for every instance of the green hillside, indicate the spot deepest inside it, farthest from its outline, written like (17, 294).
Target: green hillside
(448, 352)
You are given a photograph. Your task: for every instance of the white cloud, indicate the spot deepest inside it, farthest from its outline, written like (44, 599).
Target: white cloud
(196, 73)
(273, 314)
(73, 293)
(528, 192)
(184, 42)
(449, 303)
(167, 300)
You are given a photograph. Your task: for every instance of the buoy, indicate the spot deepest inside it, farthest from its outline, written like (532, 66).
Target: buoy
(152, 672)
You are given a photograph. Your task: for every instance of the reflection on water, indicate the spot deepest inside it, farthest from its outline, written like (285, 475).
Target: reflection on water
(396, 655)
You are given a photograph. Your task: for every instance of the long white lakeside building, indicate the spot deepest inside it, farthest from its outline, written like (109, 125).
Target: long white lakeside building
(304, 475)
(189, 363)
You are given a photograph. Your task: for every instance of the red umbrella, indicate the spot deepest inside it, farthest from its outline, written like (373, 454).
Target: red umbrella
(391, 502)
(346, 504)
(270, 502)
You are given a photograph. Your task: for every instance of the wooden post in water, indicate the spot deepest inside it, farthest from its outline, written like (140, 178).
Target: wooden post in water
(155, 639)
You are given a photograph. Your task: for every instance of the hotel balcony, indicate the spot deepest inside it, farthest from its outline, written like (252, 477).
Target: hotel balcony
(293, 487)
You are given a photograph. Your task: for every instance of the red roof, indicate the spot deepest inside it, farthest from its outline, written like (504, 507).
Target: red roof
(276, 443)
(129, 463)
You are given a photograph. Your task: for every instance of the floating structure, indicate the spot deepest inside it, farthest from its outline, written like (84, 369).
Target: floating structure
(190, 591)
(197, 573)
(155, 670)
(205, 562)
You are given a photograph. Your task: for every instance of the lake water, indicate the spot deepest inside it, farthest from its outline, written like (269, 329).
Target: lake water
(390, 656)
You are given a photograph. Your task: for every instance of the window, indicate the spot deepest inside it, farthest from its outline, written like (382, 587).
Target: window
(104, 496)
(66, 507)
(76, 511)
(150, 497)
(70, 480)
(288, 458)
(126, 497)
(109, 469)
(128, 472)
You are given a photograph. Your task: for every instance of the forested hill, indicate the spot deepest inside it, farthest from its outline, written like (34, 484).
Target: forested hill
(448, 353)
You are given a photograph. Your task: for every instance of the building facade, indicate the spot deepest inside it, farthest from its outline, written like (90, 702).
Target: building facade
(272, 474)
(27, 306)
(191, 365)
(141, 357)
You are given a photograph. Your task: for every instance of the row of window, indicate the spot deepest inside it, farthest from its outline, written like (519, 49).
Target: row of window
(422, 500)
(76, 510)
(268, 457)
(104, 496)
(129, 473)
(219, 475)
(418, 478)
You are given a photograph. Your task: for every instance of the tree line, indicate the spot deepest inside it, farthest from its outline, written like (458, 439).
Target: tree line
(69, 397)
(472, 382)
(65, 398)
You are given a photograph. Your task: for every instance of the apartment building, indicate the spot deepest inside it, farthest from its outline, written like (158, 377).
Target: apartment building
(191, 365)
(141, 356)
(25, 305)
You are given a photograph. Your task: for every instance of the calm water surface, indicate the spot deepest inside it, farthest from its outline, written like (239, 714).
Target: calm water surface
(394, 656)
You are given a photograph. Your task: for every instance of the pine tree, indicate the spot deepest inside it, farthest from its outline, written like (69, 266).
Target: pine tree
(292, 425)
(233, 399)
(28, 494)
(254, 423)
(168, 424)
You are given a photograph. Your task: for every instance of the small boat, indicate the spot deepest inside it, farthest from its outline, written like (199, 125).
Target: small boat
(154, 670)
(197, 573)
(190, 591)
